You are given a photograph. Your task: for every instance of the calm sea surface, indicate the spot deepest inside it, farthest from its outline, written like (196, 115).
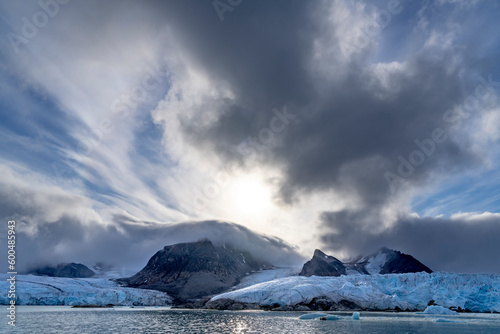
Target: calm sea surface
(63, 319)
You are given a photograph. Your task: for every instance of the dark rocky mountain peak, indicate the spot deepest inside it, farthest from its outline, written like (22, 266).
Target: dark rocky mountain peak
(193, 270)
(323, 265)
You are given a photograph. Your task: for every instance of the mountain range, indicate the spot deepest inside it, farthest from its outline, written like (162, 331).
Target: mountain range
(190, 271)
(194, 270)
(204, 274)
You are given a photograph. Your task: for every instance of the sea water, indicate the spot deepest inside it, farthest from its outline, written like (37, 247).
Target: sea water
(64, 319)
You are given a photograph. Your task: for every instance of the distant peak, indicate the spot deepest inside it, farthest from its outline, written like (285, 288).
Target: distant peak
(318, 253)
(323, 265)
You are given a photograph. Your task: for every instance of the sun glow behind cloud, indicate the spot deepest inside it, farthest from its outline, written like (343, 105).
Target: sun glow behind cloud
(250, 196)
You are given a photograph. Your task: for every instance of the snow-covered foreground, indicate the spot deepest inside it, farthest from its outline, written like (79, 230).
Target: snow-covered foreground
(475, 292)
(42, 290)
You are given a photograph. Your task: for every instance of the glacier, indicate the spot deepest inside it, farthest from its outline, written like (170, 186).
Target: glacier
(265, 276)
(43, 290)
(412, 291)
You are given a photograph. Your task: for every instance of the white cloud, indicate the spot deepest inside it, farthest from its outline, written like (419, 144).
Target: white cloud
(475, 216)
(34, 200)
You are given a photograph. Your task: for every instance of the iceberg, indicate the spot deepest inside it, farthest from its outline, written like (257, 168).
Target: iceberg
(43, 290)
(434, 309)
(309, 316)
(410, 291)
(449, 320)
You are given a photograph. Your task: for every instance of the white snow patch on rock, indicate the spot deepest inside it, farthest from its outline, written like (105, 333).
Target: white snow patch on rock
(375, 264)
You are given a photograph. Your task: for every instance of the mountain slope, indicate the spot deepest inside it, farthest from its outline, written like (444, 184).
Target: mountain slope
(71, 270)
(194, 270)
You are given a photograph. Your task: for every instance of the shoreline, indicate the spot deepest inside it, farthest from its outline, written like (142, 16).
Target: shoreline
(263, 309)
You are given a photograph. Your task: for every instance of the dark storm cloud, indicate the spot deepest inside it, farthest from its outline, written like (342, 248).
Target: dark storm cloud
(352, 125)
(443, 244)
(259, 51)
(263, 52)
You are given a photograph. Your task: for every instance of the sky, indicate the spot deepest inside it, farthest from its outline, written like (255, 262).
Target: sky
(279, 126)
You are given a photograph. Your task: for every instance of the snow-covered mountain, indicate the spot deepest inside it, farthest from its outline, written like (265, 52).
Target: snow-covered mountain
(412, 291)
(388, 261)
(43, 290)
(384, 261)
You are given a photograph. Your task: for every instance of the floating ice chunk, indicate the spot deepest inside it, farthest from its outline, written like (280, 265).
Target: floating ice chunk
(448, 320)
(355, 315)
(312, 316)
(434, 309)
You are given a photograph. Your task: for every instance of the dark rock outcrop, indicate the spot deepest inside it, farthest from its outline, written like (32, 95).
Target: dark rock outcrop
(316, 304)
(229, 304)
(323, 265)
(321, 303)
(188, 271)
(72, 270)
(326, 304)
